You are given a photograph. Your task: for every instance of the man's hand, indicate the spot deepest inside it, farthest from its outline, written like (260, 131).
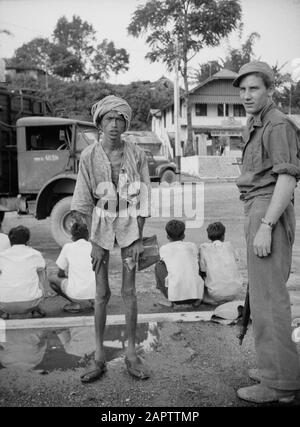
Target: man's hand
(262, 241)
(97, 256)
(137, 248)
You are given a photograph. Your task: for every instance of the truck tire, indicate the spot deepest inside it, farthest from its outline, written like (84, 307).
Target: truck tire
(61, 221)
(168, 176)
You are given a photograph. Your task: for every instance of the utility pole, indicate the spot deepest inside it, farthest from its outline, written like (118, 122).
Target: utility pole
(178, 150)
(290, 99)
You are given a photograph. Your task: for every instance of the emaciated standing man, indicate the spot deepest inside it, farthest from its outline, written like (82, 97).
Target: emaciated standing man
(111, 197)
(271, 168)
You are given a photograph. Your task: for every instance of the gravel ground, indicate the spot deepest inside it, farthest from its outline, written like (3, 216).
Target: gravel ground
(192, 365)
(196, 364)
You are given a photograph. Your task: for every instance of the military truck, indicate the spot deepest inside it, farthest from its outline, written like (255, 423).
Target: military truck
(39, 159)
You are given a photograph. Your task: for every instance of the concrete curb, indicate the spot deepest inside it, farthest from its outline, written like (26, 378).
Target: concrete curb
(62, 322)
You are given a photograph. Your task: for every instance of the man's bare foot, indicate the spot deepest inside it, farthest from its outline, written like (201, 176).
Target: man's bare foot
(136, 368)
(95, 373)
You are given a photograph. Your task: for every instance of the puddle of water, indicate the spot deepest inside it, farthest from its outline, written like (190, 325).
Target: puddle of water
(69, 348)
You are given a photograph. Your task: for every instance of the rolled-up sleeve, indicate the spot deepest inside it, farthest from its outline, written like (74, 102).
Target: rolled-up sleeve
(283, 146)
(82, 200)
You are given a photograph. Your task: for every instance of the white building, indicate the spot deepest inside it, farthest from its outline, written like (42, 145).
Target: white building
(218, 117)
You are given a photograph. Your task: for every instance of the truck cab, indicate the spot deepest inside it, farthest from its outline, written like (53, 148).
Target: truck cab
(48, 153)
(48, 147)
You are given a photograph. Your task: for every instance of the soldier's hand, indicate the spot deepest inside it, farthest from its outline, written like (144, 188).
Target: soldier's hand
(262, 241)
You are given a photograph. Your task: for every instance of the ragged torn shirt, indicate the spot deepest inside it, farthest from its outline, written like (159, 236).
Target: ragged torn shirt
(114, 210)
(271, 148)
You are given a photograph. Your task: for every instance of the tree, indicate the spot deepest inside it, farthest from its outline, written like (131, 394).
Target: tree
(64, 63)
(34, 53)
(96, 62)
(77, 36)
(193, 23)
(108, 59)
(73, 53)
(235, 58)
(205, 71)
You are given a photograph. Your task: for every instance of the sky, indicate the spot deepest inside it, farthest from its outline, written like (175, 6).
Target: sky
(277, 22)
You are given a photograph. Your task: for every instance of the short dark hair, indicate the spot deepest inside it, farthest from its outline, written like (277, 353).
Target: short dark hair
(175, 229)
(19, 235)
(215, 231)
(79, 230)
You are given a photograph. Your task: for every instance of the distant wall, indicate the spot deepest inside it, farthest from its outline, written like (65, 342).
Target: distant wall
(210, 166)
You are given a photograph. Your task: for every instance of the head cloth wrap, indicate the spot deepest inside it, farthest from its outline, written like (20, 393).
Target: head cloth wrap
(111, 103)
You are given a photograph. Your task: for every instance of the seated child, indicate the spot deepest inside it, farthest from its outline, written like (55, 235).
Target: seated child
(21, 275)
(177, 272)
(75, 279)
(222, 280)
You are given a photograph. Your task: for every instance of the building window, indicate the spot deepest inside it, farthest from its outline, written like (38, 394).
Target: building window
(239, 110)
(165, 120)
(172, 114)
(201, 109)
(221, 110)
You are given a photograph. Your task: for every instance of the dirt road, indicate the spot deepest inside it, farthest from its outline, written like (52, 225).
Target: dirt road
(193, 364)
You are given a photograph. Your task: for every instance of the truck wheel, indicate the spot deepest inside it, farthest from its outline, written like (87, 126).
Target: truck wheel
(168, 176)
(61, 221)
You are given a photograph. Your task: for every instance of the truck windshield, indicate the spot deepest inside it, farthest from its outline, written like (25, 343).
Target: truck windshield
(48, 137)
(85, 136)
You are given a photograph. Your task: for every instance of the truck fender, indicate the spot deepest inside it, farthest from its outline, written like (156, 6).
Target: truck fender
(161, 168)
(52, 191)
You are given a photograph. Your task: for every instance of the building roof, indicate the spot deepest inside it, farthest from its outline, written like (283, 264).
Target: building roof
(223, 74)
(217, 89)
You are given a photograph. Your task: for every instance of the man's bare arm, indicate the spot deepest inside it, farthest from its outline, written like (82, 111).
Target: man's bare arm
(280, 200)
(141, 222)
(41, 272)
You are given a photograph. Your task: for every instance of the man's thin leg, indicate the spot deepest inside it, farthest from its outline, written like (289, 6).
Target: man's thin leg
(130, 302)
(101, 300)
(133, 362)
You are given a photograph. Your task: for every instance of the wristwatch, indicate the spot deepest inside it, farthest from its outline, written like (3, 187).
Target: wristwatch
(269, 223)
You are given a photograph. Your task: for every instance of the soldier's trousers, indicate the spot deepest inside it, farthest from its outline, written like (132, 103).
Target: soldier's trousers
(277, 355)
